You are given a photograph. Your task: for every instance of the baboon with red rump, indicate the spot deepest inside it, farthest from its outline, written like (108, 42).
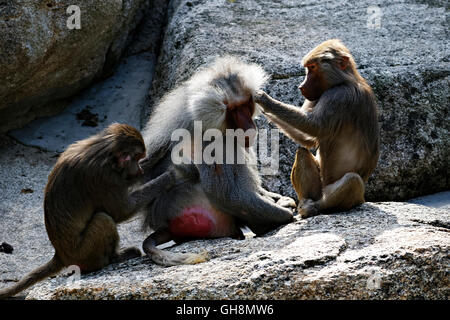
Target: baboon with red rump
(225, 195)
(339, 116)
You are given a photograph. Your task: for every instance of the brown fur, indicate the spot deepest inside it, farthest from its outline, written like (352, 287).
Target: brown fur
(305, 175)
(87, 194)
(341, 120)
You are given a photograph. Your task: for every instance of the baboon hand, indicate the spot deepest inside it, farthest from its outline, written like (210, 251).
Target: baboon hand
(152, 159)
(259, 96)
(287, 202)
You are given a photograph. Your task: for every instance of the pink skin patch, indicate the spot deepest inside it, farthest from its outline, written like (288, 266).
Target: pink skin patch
(124, 160)
(194, 222)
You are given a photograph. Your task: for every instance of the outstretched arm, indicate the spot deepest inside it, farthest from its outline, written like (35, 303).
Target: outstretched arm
(152, 159)
(146, 193)
(291, 115)
(296, 135)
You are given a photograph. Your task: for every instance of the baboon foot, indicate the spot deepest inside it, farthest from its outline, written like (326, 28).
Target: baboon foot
(307, 208)
(125, 254)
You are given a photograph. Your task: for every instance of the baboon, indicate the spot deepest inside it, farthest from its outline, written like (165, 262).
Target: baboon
(225, 196)
(339, 116)
(91, 189)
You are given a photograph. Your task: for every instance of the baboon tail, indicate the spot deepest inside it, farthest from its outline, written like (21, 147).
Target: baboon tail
(48, 269)
(167, 258)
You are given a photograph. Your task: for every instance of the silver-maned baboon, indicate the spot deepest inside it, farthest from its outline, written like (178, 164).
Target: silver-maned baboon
(225, 196)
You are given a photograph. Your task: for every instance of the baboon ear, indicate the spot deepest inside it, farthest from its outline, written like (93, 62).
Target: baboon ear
(345, 61)
(124, 160)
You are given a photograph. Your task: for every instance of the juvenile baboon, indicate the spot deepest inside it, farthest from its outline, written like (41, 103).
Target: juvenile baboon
(87, 194)
(224, 196)
(339, 116)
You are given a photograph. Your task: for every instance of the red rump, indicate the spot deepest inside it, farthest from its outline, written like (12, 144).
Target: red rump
(193, 222)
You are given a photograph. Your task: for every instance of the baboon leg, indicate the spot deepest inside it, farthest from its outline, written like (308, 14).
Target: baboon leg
(167, 258)
(98, 246)
(341, 195)
(156, 238)
(305, 176)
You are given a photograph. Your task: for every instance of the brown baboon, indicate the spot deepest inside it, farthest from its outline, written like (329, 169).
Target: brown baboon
(339, 117)
(87, 194)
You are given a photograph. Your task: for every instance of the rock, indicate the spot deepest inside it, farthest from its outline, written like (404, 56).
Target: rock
(6, 248)
(148, 34)
(119, 98)
(439, 200)
(405, 61)
(377, 251)
(42, 61)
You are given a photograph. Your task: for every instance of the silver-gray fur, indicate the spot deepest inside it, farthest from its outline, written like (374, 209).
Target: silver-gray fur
(237, 191)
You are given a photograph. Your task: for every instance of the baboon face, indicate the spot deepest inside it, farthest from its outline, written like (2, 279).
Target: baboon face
(240, 114)
(314, 85)
(128, 149)
(128, 162)
(327, 65)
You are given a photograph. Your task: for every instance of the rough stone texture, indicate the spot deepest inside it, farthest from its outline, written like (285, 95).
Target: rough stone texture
(119, 98)
(42, 62)
(438, 200)
(148, 34)
(406, 61)
(379, 251)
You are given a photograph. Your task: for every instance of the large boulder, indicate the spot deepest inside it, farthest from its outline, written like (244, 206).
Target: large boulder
(378, 251)
(405, 61)
(42, 61)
